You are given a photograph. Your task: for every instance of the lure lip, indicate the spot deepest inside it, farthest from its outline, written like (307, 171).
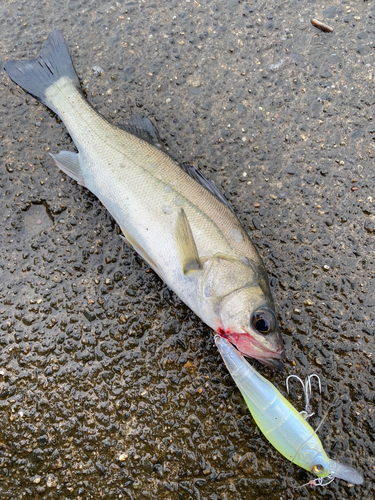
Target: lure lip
(345, 472)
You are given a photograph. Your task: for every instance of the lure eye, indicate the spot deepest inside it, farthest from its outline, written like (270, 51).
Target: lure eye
(264, 321)
(318, 469)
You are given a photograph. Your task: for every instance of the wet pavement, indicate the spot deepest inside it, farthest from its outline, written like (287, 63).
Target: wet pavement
(110, 387)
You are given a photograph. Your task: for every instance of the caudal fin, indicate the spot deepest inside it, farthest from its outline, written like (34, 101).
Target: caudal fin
(53, 63)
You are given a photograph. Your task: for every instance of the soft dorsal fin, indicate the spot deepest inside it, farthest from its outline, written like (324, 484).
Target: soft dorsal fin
(186, 247)
(142, 127)
(209, 185)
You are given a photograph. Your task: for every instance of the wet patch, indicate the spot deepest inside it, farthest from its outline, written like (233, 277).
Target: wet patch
(35, 220)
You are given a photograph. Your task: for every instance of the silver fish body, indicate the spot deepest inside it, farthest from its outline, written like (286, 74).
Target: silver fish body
(186, 233)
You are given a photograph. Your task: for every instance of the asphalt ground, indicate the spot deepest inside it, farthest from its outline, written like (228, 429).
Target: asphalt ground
(110, 387)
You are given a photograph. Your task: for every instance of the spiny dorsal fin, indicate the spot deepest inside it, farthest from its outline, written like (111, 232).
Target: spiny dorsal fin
(143, 128)
(186, 247)
(209, 185)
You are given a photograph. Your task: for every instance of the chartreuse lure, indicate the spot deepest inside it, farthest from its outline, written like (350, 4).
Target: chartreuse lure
(281, 423)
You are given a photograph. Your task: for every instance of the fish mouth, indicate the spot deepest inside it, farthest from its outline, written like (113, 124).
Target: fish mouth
(250, 347)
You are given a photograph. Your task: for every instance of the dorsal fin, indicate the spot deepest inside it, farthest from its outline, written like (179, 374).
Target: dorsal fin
(209, 185)
(143, 128)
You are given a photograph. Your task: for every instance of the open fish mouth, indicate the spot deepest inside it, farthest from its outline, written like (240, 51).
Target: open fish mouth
(250, 347)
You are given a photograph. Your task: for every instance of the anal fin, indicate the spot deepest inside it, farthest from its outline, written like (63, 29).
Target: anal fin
(68, 162)
(130, 241)
(186, 247)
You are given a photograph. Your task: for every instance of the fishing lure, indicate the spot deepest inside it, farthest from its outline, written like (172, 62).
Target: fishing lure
(281, 423)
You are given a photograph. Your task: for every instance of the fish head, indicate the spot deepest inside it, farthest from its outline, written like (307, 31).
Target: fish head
(248, 320)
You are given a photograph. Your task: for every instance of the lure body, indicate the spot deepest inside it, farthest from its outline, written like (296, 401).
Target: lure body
(279, 421)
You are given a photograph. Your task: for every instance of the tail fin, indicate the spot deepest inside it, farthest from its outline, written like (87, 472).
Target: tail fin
(36, 75)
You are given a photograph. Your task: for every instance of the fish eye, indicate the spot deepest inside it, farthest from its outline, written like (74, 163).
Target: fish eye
(318, 469)
(264, 321)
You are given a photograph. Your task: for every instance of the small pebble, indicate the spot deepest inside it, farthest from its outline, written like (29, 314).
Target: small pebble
(51, 481)
(57, 464)
(97, 70)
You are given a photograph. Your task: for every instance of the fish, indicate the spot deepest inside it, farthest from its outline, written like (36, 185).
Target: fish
(176, 219)
(285, 428)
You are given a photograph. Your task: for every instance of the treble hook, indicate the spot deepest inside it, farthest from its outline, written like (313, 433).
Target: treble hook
(307, 412)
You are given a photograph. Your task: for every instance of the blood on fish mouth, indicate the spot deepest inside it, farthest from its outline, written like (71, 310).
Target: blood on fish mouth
(248, 346)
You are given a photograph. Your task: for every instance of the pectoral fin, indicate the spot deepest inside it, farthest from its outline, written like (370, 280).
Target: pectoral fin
(68, 162)
(130, 241)
(186, 247)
